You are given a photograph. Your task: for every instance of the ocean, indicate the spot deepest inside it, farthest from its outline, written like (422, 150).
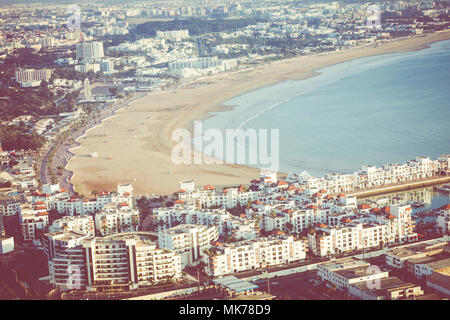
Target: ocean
(383, 109)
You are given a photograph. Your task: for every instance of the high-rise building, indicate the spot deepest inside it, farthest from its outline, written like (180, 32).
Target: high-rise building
(87, 89)
(90, 50)
(129, 260)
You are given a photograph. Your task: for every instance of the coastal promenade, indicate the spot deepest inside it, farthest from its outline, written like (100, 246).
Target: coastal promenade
(400, 186)
(63, 153)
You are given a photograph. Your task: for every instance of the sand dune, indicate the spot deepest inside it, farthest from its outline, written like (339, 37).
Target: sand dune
(135, 145)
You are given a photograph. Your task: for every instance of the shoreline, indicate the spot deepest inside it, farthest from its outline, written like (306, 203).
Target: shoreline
(150, 169)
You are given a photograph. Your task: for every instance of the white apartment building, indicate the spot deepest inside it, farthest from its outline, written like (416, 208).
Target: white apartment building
(207, 197)
(31, 222)
(32, 77)
(66, 260)
(9, 206)
(188, 240)
(239, 228)
(79, 206)
(371, 176)
(254, 254)
(78, 224)
(116, 218)
(125, 261)
(346, 237)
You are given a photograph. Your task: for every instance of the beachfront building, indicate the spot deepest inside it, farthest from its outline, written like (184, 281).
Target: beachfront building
(76, 205)
(371, 176)
(116, 218)
(49, 195)
(188, 240)
(124, 261)
(227, 258)
(200, 65)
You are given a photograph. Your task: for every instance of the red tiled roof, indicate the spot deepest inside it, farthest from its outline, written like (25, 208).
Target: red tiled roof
(43, 213)
(281, 183)
(178, 201)
(209, 187)
(181, 191)
(446, 207)
(39, 202)
(364, 206)
(123, 204)
(386, 209)
(341, 195)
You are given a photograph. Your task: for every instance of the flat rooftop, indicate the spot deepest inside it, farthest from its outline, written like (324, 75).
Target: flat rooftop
(345, 263)
(440, 279)
(386, 284)
(234, 284)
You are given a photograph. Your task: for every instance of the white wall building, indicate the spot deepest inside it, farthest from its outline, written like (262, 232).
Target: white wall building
(253, 254)
(188, 241)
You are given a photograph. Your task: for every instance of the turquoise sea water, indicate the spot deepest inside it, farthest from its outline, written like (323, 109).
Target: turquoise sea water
(375, 110)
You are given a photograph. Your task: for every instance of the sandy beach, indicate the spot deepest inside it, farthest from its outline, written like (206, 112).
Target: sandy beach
(135, 145)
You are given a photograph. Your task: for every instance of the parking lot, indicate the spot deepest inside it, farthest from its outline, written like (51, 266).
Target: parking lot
(299, 286)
